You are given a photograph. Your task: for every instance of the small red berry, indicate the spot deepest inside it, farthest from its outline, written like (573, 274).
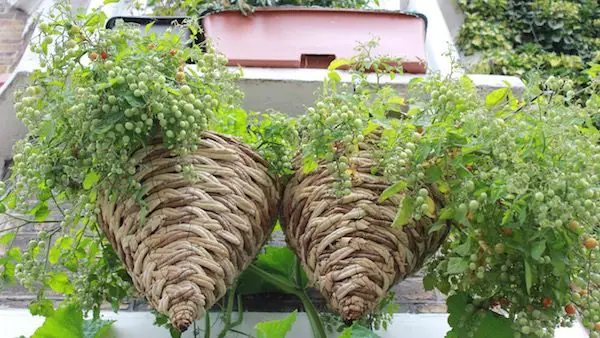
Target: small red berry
(93, 56)
(103, 55)
(570, 309)
(547, 302)
(591, 243)
(507, 231)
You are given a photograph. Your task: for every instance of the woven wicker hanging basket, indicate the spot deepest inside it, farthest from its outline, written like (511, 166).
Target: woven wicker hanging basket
(197, 236)
(347, 246)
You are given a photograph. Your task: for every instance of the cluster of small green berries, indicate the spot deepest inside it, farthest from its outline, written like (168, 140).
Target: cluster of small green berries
(339, 169)
(397, 163)
(30, 272)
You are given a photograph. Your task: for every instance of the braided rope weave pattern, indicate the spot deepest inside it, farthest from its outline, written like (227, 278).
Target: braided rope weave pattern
(197, 236)
(347, 246)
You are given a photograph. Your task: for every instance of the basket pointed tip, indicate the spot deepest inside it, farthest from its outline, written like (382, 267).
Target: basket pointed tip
(182, 319)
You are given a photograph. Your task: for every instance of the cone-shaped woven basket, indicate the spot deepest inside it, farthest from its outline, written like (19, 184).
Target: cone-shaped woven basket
(347, 246)
(197, 236)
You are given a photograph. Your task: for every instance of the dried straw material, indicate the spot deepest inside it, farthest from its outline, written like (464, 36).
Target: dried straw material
(197, 236)
(347, 246)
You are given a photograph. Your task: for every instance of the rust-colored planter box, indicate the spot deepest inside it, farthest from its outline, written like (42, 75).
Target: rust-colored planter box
(308, 37)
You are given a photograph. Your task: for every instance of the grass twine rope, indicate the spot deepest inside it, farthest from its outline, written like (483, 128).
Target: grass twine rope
(197, 236)
(347, 246)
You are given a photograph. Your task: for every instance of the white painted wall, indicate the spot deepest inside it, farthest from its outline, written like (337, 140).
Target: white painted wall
(139, 324)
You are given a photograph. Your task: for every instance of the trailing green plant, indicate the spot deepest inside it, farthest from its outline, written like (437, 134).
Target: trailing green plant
(520, 185)
(99, 96)
(520, 37)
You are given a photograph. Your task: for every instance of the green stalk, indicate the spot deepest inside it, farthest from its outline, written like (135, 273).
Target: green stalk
(313, 316)
(228, 325)
(207, 325)
(288, 287)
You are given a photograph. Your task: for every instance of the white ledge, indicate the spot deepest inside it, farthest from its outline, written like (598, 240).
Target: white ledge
(139, 324)
(291, 90)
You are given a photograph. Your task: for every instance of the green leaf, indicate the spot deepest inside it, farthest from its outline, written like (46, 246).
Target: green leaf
(446, 213)
(96, 20)
(396, 100)
(334, 76)
(392, 190)
(90, 180)
(357, 331)
(464, 249)
(496, 97)
(7, 238)
(134, 101)
(371, 126)
(59, 282)
(96, 328)
(276, 328)
(41, 307)
(45, 46)
(466, 82)
(494, 326)
(528, 277)
(337, 63)
(279, 261)
(433, 174)
(538, 250)
(106, 2)
(42, 213)
(415, 82)
(429, 282)
(404, 212)
(66, 322)
(309, 164)
(148, 26)
(457, 265)
(2, 208)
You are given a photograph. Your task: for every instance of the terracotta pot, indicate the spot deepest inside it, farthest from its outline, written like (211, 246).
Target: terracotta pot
(303, 37)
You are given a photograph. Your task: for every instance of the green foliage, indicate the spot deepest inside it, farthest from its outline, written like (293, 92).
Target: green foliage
(100, 96)
(276, 328)
(523, 196)
(529, 37)
(68, 322)
(197, 7)
(518, 178)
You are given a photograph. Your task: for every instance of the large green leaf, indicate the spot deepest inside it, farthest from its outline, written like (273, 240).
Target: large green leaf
(276, 328)
(66, 322)
(280, 261)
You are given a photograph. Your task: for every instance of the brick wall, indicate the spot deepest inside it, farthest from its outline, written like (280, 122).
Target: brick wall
(13, 40)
